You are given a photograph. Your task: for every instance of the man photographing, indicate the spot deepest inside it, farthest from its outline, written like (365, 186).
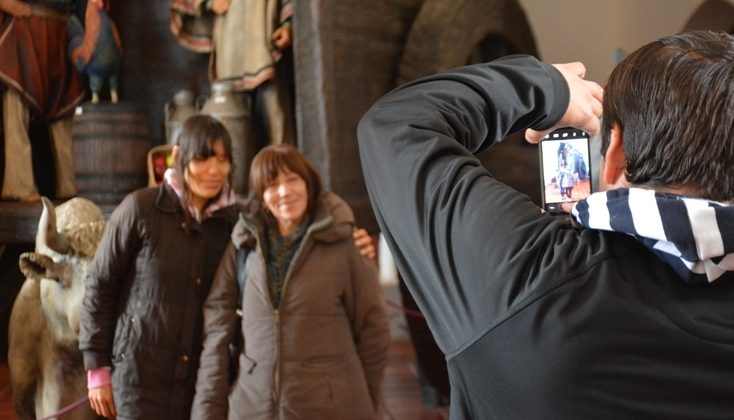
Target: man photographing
(627, 313)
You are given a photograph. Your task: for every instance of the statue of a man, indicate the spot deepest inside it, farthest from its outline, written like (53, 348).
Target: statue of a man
(248, 40)
(40, 82)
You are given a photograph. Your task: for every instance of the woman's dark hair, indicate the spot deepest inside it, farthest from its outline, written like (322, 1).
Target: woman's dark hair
(271, 159)
(198, 136)
(673, 100)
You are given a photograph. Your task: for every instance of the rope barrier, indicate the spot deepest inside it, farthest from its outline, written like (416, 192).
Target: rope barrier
(78, 403)
(403, 309)
(69, 408)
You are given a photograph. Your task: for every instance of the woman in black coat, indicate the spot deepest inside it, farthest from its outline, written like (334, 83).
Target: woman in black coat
(141, 320)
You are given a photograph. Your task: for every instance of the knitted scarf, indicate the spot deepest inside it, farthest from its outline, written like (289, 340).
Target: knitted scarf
(695, 236)
(280, 252)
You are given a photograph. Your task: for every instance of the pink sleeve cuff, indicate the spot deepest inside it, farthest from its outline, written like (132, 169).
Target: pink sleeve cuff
(99, 377)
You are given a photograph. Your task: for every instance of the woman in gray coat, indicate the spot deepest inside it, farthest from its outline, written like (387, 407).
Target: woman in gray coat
(314, 321)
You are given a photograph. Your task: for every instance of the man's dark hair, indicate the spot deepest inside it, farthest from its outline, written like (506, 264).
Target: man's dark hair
(674, 102)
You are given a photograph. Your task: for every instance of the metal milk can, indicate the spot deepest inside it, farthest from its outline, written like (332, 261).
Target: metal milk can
(176, 113)
(232, 110)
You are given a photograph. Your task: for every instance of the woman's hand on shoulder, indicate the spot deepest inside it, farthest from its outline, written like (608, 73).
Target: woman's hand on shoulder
(365, 243)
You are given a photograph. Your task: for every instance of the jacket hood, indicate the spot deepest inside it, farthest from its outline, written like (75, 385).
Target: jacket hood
(334, 221)
(171, 182)
(166, 199)
(694, 236)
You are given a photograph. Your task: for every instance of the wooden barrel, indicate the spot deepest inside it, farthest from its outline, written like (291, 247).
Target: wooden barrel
(111, 143)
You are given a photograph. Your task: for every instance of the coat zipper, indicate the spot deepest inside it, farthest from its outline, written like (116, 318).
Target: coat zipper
(276, 318)
(276, 311)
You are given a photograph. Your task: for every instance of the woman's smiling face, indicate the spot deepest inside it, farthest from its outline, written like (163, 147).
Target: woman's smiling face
(206, 177)
(287, 199)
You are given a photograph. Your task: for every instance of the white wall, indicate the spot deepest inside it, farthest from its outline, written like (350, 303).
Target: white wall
(590, 30)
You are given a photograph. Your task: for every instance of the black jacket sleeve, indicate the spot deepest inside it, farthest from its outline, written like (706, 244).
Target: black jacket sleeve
(220, 325)
(104, 284)
(465, 243)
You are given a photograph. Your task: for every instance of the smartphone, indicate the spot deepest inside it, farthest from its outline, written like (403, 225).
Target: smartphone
(565, 168)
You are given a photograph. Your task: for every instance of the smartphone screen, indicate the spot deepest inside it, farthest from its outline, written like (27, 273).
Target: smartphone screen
(565, 169)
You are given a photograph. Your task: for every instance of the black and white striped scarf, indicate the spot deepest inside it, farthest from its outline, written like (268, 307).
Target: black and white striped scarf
(694, 236)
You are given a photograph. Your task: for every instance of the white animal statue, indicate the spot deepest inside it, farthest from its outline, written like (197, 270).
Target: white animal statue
(46, 369)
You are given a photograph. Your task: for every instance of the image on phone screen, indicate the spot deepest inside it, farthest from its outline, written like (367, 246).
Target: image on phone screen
(566, 172)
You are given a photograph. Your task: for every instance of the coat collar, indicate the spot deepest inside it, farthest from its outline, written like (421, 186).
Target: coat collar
(167, 201)
(334, 221)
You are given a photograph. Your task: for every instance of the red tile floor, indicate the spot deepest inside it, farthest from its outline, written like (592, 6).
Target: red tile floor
(401, 397)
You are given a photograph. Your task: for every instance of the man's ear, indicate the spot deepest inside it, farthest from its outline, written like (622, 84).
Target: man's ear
(614, 169)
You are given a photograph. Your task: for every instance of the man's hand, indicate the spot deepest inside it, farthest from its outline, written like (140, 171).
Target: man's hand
(16, 8)
(364, 242)
(584, 105)
(102, 402)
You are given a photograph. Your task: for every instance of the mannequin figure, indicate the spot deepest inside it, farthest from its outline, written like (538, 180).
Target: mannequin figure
(40, 83)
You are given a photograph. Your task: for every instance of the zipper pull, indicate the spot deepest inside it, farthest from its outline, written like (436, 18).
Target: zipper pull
(277, 316)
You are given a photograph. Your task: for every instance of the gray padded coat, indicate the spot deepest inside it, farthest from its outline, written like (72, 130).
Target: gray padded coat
(321, 354)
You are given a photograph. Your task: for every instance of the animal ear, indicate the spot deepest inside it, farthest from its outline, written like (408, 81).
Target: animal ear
(37, 266)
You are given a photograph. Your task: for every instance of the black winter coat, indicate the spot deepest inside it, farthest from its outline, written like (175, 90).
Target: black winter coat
(142, 307)
(538, 320)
